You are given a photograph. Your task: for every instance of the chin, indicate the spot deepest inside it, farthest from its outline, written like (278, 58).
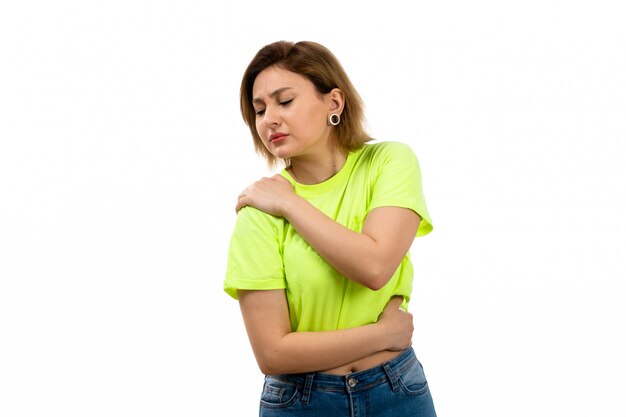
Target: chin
(281, 154)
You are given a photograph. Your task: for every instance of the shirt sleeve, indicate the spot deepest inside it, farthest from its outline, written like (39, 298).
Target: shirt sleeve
(255, 253)
(399, 183)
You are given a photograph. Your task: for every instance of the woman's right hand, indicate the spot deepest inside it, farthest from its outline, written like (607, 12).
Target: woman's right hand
(397, 325)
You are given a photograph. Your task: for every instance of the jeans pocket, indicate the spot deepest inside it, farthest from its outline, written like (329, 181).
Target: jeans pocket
(413, 380)
(278, 393)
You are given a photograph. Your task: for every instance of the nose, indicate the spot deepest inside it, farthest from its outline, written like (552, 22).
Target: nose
(270, 118)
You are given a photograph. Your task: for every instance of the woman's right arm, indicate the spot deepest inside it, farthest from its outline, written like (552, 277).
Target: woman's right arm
(278, 350)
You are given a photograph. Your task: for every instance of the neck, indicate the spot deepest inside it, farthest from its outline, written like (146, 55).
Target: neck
(318, 169)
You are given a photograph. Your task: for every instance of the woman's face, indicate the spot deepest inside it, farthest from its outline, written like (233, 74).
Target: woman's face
(290, 114)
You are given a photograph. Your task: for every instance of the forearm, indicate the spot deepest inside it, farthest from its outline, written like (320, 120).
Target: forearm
(369, 256)
(279, 350)
(298, 352)
(359, 256)
(337, 244)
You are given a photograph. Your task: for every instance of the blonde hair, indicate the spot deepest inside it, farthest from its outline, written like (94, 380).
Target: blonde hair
(316, 63)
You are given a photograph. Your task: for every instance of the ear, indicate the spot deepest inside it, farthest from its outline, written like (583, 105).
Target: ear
(335, 101)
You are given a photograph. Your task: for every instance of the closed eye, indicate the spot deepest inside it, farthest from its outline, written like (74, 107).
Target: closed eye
(282, 103)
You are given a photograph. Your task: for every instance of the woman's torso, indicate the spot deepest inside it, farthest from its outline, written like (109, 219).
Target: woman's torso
(319, 297)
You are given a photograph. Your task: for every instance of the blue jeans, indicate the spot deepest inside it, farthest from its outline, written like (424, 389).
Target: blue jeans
(394, 388)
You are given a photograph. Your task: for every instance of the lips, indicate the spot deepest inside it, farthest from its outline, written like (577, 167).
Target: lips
(277, 137)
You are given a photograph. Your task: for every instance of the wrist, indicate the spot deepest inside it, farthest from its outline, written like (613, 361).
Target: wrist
(381, 337)
(289, 205)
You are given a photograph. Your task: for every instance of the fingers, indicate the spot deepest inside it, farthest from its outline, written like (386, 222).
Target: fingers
(241, 202)
(243, 199)
(267, 194)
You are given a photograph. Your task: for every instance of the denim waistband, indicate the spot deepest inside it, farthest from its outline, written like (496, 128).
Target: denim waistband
(387, 372)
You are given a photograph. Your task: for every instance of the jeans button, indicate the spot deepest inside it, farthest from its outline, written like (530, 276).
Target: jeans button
(352, 382)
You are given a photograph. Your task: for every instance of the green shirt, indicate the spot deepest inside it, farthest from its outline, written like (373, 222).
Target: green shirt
(266, 253)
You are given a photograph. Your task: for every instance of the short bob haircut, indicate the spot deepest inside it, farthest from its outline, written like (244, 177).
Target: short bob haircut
(316, 63)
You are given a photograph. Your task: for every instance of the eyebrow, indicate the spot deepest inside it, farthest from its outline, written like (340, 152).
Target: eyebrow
(272, 94)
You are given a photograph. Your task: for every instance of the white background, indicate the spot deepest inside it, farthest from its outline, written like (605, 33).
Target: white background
(122, 152)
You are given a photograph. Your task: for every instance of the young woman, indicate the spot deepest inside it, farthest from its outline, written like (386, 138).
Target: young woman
(319, 255)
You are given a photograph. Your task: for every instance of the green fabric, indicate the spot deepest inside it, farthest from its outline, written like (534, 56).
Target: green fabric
(266, 253)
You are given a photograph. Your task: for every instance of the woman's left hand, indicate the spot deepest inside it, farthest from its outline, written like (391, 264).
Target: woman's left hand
(268, 194)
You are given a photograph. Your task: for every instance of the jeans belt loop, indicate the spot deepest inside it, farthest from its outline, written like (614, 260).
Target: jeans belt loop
(308, 385)
(393, 379)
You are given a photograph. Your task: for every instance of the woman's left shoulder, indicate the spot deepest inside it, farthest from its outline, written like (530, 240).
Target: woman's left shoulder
(390, 149)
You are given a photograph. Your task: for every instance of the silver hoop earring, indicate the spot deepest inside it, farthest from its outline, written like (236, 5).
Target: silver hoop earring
(334, 119)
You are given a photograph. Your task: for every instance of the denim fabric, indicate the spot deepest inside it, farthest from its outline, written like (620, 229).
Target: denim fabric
(395, 388)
